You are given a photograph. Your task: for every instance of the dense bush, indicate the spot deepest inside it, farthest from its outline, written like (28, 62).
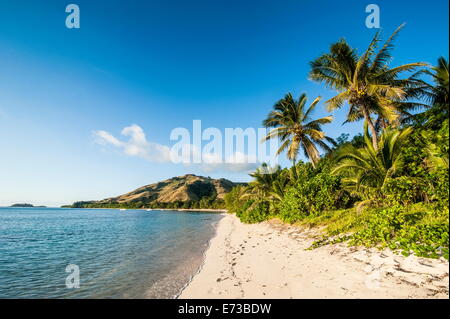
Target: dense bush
(440, 191)
(425, 167)
(405, 190)
(254, 212)
(313, 194)
(417, 229)
(233, 201)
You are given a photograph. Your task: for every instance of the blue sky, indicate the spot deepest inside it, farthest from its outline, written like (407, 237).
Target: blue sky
(160, 65)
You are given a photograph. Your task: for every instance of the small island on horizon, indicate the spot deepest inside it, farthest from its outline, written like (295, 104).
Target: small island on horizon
(25, 205)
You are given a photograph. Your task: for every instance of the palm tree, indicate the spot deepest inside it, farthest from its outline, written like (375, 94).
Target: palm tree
(367, 169)
(262, 186)
(367, 83)
(436, 95)
(439, 92)
(268, 186)
(293, 125)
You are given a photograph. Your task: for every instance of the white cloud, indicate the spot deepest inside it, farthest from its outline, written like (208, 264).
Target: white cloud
(137, 145)
(104, 137)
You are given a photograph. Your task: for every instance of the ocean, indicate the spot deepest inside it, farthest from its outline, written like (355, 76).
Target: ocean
(46, 252)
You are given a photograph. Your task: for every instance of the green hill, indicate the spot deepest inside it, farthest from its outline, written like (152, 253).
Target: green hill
(188, 191)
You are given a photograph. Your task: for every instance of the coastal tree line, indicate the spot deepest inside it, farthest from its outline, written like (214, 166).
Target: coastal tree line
(206, 202)
(387, 186)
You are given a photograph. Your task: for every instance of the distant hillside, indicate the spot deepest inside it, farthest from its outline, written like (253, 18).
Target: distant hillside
(188, 191)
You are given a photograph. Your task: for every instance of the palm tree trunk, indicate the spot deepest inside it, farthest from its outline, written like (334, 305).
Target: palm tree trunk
(372, 128)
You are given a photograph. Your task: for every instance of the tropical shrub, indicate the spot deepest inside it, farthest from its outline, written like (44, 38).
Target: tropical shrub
(314, 192)
(405, 190)
(416, 229)
(367, 169)
(440, 191)
(233, 200)
(254, 212)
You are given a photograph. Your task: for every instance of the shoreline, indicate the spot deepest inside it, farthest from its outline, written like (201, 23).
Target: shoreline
(271, 260)
(180, 276)
(212, 210)
(208, 246)
(206, 210)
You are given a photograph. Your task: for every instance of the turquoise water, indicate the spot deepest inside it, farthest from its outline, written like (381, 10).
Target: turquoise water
(120, 254)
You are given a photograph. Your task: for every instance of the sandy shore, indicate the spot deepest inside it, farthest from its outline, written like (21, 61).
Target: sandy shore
(205, 210)
(269, 260)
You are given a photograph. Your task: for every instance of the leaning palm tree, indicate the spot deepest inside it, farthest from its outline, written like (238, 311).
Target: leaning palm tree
(365, 170)
(367, 83)
(292, 124)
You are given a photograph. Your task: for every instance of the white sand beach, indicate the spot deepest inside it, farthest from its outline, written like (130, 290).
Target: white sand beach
(270, 260)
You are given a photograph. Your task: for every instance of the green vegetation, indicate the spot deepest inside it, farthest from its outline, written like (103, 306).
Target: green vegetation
(387, 187)
(203, 203)
(314, 191)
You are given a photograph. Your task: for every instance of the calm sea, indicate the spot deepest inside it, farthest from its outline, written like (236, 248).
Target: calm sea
(120, 254)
